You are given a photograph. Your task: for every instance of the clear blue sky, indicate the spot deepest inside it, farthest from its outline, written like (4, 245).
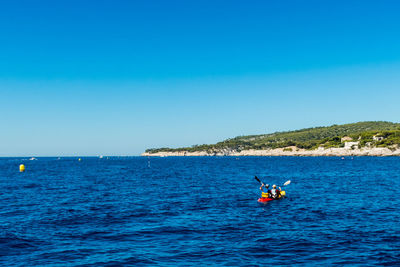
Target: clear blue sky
(117, 77)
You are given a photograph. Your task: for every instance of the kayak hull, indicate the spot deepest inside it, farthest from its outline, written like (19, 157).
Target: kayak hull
(265, 199)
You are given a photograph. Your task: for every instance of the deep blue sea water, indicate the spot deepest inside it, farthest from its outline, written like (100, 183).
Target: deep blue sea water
(199, 211)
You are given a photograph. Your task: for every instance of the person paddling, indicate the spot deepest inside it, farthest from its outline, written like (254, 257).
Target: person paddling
(265, 194)
(275, 193)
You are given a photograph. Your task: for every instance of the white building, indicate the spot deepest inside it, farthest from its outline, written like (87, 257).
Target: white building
(346, 138)
(350, 145)
(377, 138)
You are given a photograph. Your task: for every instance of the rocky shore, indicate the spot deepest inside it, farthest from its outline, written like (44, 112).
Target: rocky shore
(288, 151)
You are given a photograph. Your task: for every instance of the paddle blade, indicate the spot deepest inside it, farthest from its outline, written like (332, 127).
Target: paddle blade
(287, 182)
(257, 179)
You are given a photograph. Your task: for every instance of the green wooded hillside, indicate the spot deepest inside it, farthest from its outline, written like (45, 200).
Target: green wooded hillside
(310, 138)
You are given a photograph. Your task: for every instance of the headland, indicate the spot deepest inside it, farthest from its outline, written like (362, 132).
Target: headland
(373, 138)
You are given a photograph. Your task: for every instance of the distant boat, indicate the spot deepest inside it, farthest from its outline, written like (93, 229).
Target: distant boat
(101, 157)
(33, 158)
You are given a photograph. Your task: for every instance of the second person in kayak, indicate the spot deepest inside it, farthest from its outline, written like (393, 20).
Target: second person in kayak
(275, 193)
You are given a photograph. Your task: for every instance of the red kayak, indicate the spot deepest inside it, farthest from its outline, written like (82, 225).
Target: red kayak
(265, 199)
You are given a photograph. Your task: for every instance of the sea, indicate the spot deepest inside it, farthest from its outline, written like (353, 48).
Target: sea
(203, 211)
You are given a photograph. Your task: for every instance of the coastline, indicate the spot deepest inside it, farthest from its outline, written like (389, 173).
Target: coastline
(338, 152)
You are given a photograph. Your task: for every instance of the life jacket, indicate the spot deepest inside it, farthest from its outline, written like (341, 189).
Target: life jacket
(266, 194)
